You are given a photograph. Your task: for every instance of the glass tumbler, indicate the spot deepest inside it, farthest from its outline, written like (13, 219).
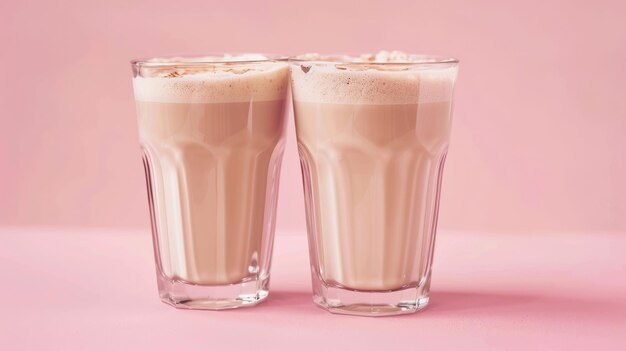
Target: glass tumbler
(372, 139)
(212, 133)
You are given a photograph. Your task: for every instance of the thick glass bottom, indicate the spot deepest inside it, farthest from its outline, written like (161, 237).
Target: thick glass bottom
(370, 303)
(213, 297)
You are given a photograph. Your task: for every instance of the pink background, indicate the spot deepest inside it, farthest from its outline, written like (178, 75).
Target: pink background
(538, 148)
(540, 117)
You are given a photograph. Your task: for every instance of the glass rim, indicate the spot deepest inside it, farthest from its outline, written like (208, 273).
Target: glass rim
(147, 62)
(351, 59)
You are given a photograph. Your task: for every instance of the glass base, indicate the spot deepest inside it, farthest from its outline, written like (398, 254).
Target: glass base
(213, 297)
(370, 303)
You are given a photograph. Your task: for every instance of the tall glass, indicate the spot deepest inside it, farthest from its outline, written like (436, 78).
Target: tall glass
(212, 132)
(372, 138)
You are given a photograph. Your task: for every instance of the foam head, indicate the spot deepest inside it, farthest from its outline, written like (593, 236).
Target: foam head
(250, 77)
(382, 78)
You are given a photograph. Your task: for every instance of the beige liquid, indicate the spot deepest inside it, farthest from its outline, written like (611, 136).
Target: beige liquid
(213, 173)
(373, 172)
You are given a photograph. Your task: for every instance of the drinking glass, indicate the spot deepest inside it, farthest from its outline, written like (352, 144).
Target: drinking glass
(212, 133)
(372, 139)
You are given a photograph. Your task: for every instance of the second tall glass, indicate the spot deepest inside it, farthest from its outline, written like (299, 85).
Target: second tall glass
(373, 133)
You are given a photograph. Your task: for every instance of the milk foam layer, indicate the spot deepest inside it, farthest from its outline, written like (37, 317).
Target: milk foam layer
(383, 78)
(211, 79)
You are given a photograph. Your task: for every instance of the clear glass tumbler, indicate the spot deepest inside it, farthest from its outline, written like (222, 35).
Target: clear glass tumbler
(372, 138)
(212, 133)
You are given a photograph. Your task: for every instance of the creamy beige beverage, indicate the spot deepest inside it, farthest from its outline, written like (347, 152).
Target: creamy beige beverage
(213, 138)
(372, 134)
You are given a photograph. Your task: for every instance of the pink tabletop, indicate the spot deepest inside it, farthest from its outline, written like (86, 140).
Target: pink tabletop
(96, 290)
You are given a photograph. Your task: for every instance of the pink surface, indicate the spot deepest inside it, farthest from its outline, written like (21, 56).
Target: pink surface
(540, 115)
(96, 290)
